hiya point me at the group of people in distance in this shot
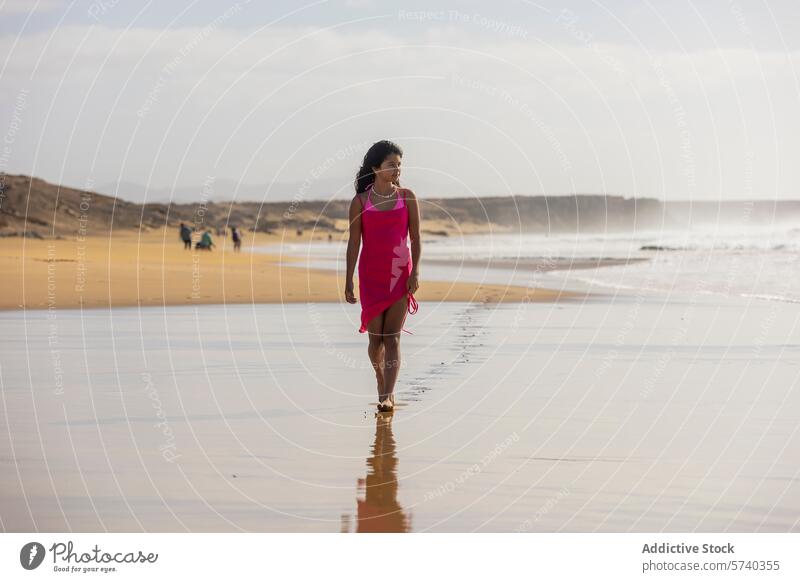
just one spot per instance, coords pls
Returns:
(206, 243)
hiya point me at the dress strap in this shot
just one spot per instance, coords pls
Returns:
(412, 304)
(412, 309)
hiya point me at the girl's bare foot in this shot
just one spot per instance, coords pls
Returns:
(386, 405)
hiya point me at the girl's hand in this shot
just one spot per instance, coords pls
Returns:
(349, 294)
(413, 283)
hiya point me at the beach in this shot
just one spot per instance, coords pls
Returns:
(516, 268)
(596, 388)
(574, 416)
(152, 268)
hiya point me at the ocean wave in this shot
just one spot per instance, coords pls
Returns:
(768, 297)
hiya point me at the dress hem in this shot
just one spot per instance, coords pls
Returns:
(411, 308)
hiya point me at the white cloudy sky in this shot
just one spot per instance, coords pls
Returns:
(664, 99)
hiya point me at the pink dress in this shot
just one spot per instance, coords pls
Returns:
(385, 261)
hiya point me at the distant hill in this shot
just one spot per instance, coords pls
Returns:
(35, 206)
(221, 191)
(39, 208)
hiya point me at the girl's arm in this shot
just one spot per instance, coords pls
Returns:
(413, 231)
(353, 245)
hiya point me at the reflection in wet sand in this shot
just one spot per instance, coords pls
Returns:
(378, 509)
(620, 430)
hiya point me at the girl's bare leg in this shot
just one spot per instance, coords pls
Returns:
(376, 351)
(394, 318)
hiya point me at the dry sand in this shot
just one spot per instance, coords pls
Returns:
(132, 268)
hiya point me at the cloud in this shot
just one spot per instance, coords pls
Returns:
(491, 113)
(29, 6)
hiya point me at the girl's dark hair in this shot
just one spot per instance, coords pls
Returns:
(374, 157)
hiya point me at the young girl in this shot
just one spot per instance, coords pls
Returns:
(384, 216)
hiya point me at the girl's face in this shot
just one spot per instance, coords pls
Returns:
(390, 169)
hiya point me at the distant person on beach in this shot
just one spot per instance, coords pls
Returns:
(237, 239)
(186, 236)
(383, 216)
(206, 243)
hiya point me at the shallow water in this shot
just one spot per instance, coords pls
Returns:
(755, 262)
(625, 415)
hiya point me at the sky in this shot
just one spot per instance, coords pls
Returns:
(280, 100)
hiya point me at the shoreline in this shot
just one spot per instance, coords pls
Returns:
(130, 269)
(538, 264)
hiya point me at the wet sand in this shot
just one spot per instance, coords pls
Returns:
(538, 264)
(636, 414)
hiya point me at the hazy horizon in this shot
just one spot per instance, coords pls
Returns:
(277, 195)
(672, 102)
